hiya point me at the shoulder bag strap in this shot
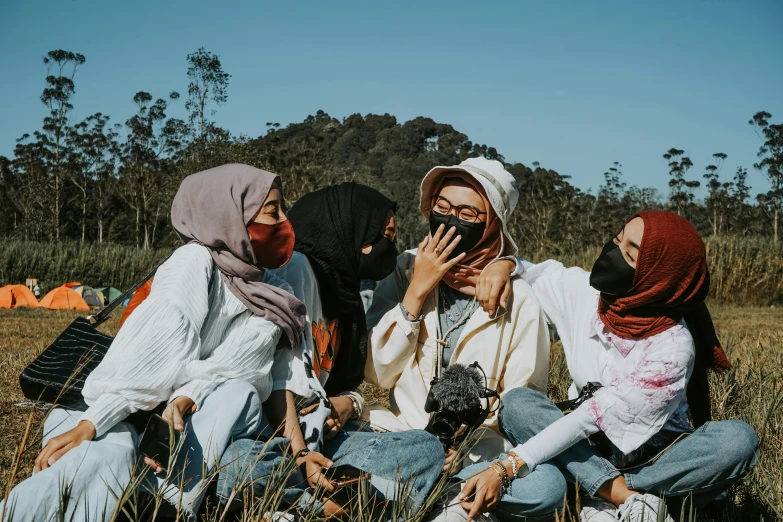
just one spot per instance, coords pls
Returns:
(104, 314)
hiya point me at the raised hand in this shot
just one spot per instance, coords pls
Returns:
(431, 264)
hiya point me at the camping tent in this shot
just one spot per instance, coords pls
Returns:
(63, 298)
(12, 296)
(109, 293)
(89, 295)
(138, 297)
(72, 285)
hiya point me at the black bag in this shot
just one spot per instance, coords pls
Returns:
(57, 375)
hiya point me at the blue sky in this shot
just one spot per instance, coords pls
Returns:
(574, 85)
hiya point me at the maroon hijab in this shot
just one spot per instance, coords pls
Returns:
(671, 283)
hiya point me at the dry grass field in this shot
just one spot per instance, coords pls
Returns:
(753, 392)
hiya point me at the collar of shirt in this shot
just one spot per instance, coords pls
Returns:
(599, 330)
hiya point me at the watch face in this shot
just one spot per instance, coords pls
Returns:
(524, 471)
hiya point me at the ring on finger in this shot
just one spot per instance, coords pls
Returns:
(437, 250)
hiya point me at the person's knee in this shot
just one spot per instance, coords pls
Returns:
(521, 403)
(425, 450)
(538, 495)
(742, 441)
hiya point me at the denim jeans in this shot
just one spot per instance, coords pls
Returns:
(532, 498)
(707, 461)
(413, 459)
(98, 471)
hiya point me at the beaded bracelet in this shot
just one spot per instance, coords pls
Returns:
(504, 478)
(497, 472)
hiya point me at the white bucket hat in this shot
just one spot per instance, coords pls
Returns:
(498, 183)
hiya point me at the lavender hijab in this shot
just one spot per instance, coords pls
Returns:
(213, 208)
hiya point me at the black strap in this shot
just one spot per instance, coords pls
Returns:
(586, 393)
(104, 314)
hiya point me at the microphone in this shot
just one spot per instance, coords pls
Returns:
(454, 400)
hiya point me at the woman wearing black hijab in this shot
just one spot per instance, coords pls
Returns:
(344, 234)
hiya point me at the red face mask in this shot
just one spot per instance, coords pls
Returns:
(273, 245)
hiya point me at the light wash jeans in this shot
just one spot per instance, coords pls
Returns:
(97, 472)
(412, 458)
(704, 463)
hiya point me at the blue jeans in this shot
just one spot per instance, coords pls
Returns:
(404, 465)
(98, 471)
(707, 461)
(535, 497)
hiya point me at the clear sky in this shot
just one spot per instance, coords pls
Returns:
(574, 85)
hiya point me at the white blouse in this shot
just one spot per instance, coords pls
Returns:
(644, 380)
(190, 335)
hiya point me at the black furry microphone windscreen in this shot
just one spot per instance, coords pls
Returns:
(459, 388)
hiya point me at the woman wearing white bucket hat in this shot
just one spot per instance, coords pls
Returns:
(425, 318)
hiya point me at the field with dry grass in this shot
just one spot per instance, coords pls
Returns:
(753, 392)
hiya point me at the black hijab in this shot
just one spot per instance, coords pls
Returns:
(332, 225)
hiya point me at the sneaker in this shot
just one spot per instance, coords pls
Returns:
(643, 508)
(597, 510)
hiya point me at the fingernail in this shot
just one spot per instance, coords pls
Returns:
(51, 461)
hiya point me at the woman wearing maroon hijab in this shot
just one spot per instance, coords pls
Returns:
(638, 340)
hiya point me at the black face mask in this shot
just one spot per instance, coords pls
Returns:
(380, 262)
(471, 232)
(611, 273)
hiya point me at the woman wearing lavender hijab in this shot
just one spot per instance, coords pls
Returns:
(203, 341)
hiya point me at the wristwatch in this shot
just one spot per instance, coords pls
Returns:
(357, 412)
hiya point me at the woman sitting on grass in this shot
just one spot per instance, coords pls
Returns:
(203, 341)
(433, 312)
(637, 325)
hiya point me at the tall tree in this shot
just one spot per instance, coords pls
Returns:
(771, 163)
(92, 146)
(681, 189)
(718, 192)
(208, 83)
(61, 69)
(151, 140)
(739, 192)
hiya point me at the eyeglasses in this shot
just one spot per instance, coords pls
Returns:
(466, 213)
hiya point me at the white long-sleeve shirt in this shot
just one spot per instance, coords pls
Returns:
(644, 380)
(190, 335)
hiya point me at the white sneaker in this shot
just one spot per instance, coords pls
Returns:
(643, 508)
(597, 510)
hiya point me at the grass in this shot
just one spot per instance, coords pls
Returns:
(752, 391)
(746, 271)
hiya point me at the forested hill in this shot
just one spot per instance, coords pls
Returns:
(113, 179)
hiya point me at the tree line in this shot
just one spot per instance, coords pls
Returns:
(102, 180)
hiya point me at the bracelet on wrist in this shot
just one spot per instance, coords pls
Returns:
(494, 468)
(408, 315)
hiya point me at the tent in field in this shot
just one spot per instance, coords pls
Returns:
(110, 293)
(138, 297)
(73, 284)
(89, 295)
(63, 298)
(12, 296)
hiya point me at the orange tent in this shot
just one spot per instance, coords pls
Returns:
(63, 298)
(12, 296)
(138, 297)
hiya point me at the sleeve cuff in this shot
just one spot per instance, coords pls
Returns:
(407, 326)
(105, 413)
(196, 390)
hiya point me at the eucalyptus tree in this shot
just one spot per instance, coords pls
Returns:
(718, 197)
(770, 164)
(151, 143)
(681, 188)
(61, 69)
